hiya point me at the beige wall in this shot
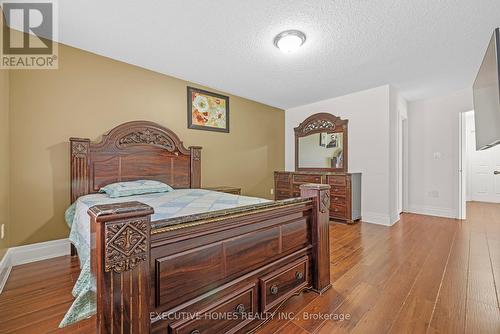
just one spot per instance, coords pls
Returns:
(4, 157)
(88, 96)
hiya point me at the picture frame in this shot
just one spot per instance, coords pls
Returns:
(323, 138)
(333, 141)
(207, 110)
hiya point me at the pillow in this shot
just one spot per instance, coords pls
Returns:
(122, 189)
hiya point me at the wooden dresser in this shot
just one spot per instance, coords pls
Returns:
(321, 156)
(345, 191)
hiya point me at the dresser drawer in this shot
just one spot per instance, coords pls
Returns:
(338, 210)
(283, 193)
(280, 197)
(285, 177)
(304, 178)
(284, 282)
(282, 184)
(337, 191)
(296, 190)
(238, 305)
(339, 200)
(337, 180)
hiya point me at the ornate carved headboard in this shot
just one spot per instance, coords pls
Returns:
(132, 151)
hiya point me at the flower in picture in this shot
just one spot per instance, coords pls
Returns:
(201, 103)
(200, 118)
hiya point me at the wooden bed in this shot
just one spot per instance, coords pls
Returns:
(177, 275)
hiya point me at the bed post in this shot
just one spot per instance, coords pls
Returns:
(79, 150)
(195, 166)
(120, 254)
(79, 153)
(320, 193)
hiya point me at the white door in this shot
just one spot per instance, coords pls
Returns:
(485, 173)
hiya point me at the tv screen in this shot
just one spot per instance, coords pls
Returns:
(487, 96)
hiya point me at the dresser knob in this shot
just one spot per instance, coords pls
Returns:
(274, 289)
(195, 331)
(299, 275)
(240, 309)
(336, 209)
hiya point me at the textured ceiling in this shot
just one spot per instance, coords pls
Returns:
(423, 47)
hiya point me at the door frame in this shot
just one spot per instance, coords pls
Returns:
(462, 165)
(402, 163)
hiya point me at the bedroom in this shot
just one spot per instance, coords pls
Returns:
(398, 73)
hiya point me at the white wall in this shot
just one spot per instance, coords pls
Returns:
(433, 149)
(370, 153)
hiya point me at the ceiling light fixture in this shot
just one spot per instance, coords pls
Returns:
(289, 41)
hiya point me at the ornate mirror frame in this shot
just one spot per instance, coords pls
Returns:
(317, 123)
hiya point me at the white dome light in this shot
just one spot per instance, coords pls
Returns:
(289, 41)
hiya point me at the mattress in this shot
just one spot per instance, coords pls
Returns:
(177, 203)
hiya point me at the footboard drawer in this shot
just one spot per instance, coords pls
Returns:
(224, 316)
(284, 282)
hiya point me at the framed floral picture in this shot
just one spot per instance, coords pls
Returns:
(207, 110)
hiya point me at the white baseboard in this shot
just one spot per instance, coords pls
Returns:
(31, 253)
(5, 267)
(432, 211)
(395, 217)
(377, 218)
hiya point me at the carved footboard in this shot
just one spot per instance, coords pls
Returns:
(183, 274)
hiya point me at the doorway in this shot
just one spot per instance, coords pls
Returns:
(480, 170)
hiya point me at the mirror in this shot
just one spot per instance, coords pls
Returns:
(321, 144)
(321, 150)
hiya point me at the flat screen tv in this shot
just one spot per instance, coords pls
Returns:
(487, 96)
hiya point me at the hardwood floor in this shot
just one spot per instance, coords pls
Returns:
(423, 275)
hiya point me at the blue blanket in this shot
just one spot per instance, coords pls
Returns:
(172, 204)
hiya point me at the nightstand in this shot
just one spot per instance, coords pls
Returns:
(224, 189)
